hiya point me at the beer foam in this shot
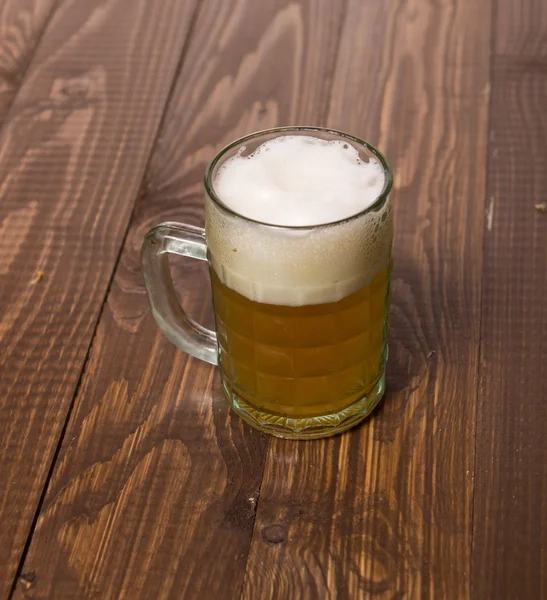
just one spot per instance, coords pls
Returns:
(299, 180)
(326, 257)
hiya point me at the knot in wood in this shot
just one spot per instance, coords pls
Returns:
(274, 534)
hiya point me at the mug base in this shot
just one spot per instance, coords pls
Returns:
(306, 428)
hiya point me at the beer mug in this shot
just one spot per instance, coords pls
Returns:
(301, 311)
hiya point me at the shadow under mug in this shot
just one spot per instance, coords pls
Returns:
(300, 312)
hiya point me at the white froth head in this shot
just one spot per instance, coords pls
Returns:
(298, 216)
(299, 180)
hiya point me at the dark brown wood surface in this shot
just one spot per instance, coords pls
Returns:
(73, 147)
(510, 532)
(22, 23)
(122, 472)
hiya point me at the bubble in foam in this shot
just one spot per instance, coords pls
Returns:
(299, 181)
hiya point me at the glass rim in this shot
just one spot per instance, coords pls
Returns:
(378, 202)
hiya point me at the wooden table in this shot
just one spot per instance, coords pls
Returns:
(122, 472)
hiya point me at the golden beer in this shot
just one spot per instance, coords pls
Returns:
(302, 361)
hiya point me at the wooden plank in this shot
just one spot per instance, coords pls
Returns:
(510, 525)
(22, 23)
(385, 511)
(154, 493)
(72, 152)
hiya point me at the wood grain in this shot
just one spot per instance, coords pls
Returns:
(155, 490)
(22, 23)
(510, 530)
(386, 510)
(72, 152)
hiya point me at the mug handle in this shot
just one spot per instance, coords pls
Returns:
(183, 331)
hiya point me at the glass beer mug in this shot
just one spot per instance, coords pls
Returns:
(301, 310)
